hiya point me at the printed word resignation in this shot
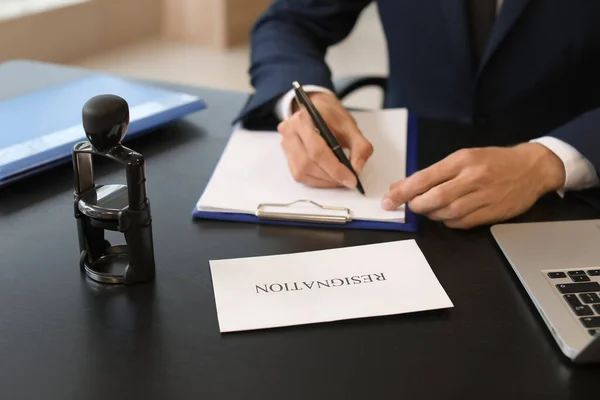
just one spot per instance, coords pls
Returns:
(310, 285)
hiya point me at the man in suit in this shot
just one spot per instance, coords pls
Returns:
(529, 67)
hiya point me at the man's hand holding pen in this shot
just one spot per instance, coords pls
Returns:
(310, 160)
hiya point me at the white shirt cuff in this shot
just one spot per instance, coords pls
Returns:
(579, 172)
(283, 107)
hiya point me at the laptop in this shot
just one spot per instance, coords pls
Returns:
(558, 263)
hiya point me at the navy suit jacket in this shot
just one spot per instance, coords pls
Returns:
(540, 74)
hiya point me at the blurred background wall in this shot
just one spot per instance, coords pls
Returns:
(200, 42)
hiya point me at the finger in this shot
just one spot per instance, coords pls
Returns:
(321, 154)
(298, 159)
(315, 182)
(493, 211)
(310, 176)
(483, 215)
(303, 169)
(307, 168)
(441, 196)
(281, 127)
(360, 148)
(462, 206)
(286, 128)
(418, 183)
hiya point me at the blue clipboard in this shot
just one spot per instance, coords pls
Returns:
(40, 128)
(410, 224)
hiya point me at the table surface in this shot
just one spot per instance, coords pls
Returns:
(64, 337)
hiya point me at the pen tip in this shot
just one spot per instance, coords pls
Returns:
(360, 189)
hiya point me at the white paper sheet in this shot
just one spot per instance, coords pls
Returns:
(253, 170)
(322, 286)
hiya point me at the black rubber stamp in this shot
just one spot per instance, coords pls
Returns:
(116, 207)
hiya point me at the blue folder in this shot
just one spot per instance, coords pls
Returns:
(409, 225)
(39, 129)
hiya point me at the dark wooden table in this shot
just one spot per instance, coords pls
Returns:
(64, 337)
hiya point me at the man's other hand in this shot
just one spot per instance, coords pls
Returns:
(310, 160)
(480, 186)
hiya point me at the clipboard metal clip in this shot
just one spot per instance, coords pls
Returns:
(324, 214)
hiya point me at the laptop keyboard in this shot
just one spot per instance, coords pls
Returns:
(581, 291)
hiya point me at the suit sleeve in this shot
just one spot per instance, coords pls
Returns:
(289, 43)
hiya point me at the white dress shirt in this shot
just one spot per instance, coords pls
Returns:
(579, 172)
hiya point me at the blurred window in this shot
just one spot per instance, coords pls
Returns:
(17, 8)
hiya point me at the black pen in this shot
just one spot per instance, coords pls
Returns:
(324, 131)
